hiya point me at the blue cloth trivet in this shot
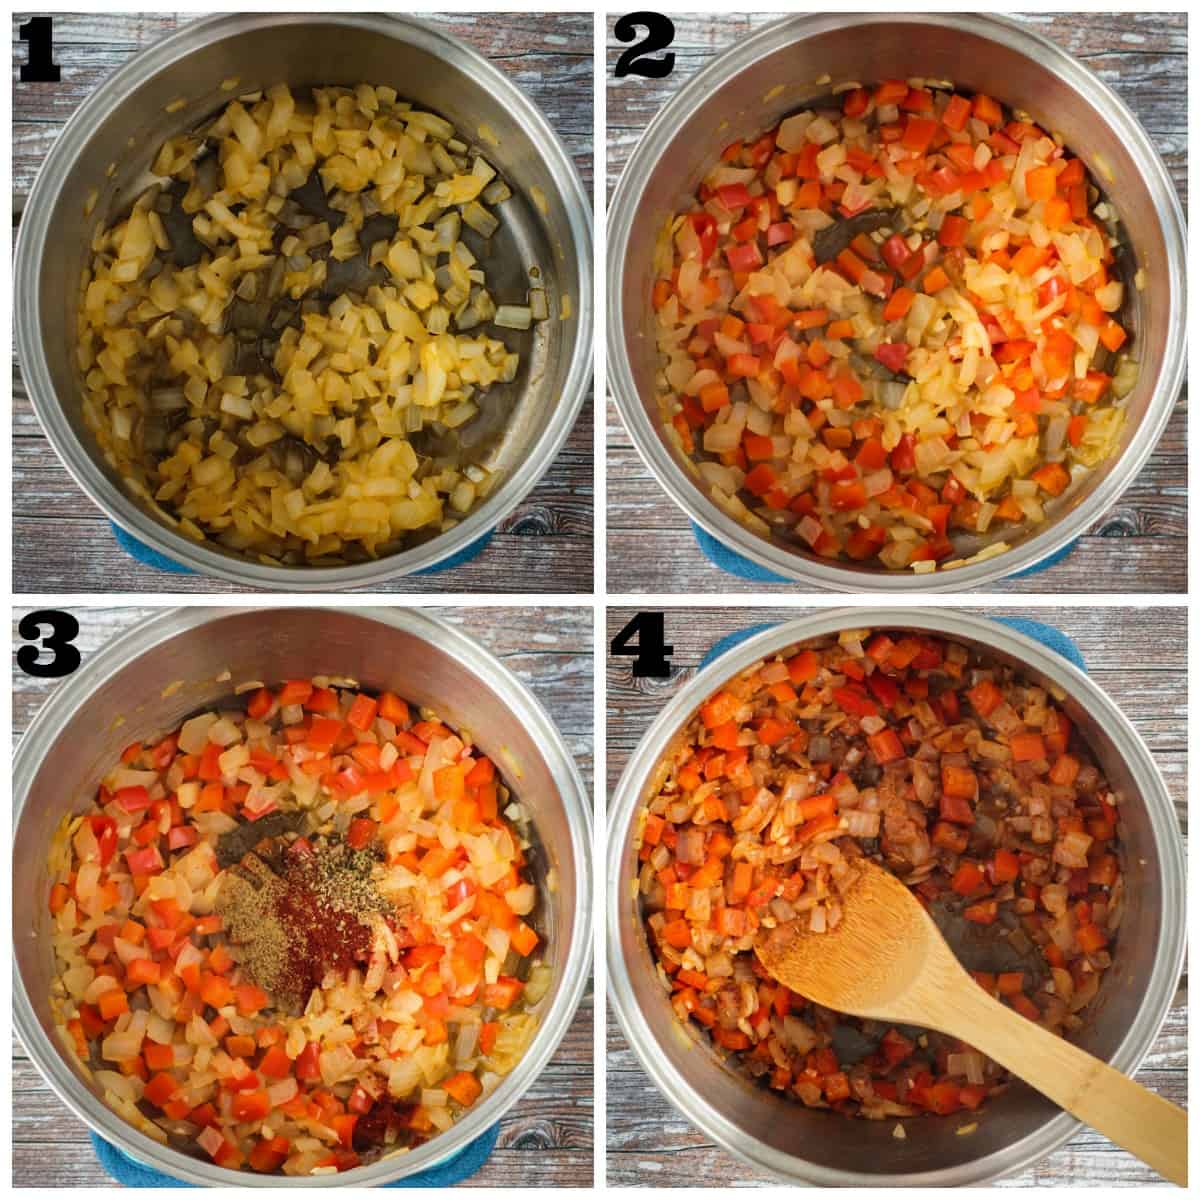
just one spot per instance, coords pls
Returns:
(1051, 560)
(152, 558)
(144, 554)
(730, 561)
(730, 640)
(1051, 638)
(130, 1173)
(736, 564)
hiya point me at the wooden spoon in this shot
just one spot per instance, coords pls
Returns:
(886, 960)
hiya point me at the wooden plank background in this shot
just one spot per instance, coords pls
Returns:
(1138, 656)
(547, 1139)
(63, 543)
(1140, 545)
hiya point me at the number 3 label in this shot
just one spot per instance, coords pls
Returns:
(65, 657)
(660, 33)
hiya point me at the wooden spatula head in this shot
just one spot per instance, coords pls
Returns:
(886, 959)
(874, 963)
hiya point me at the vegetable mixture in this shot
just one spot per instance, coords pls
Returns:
(297, 937)
(947, 768)
(284, 342)
(895, 327)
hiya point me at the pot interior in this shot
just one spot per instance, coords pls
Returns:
(791, 72)
(186, 669)
(791, 1138)
(537, 243)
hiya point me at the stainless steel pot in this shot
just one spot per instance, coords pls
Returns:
(809, 1146)
(125, 121)
(778, 70)
(119, 695)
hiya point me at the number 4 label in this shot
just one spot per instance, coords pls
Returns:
(651, 655)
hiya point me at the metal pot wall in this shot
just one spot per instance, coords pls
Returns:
(803, 1145)
(125, 121)
(77, 736)
(779, 70)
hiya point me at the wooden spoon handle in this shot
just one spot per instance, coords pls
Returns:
(1132, 1116)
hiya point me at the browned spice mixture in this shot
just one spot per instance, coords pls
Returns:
(386, 1123)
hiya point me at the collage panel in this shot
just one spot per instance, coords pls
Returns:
(896, 304)
(890, 888)
(1022, 770)
(335, 328)
(303, 891)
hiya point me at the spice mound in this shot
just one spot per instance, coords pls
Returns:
(289, 345)
(299, 910)
(299, 934)
(941, 764)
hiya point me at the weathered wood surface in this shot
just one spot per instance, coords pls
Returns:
(1138, 545)
(62, 543)
(548, 55)
(1138, 656)
(546, 1140)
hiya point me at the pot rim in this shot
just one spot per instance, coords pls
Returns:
(628, 795)
(79, 460)
(1057, 534)
(70, 697)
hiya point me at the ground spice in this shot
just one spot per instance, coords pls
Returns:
(297, 910)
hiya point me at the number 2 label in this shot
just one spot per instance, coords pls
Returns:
(660, 33)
